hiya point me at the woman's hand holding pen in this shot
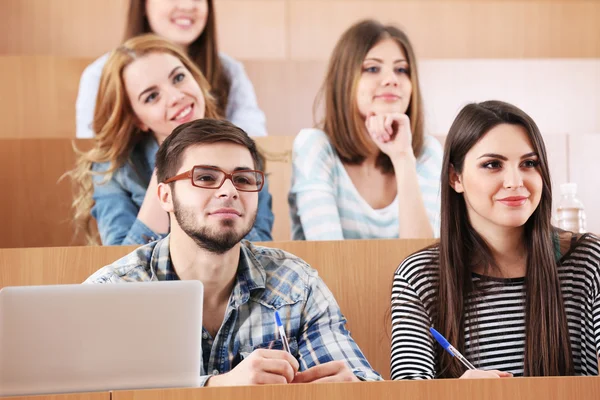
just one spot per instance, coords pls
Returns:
(263, 366)
(481, 374)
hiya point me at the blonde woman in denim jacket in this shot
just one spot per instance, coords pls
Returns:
(148, 87)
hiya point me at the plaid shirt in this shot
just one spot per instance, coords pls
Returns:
(267, 280)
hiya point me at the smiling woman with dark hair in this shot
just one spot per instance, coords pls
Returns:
(513, 294)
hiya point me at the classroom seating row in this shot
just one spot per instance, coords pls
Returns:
(35, 204)
(39, 92)
(562, 388)
(358, 272)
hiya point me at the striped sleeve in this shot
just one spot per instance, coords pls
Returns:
(596, 318)
(595, 255)
(313, 162)
(413, 355)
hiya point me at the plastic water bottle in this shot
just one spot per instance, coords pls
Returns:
(570, 213)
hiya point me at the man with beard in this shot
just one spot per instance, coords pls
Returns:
(210, 179)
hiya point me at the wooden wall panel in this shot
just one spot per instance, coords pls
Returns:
(252, 28)
(90, 28)
(37, 96)
(308, 29)
(286, 91)
(72, 28)
(37, 212)
(456, 29)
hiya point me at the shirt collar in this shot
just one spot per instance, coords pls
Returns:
(251, 274)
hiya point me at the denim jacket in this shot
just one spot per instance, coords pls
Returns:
(118, 201)
(267, 280)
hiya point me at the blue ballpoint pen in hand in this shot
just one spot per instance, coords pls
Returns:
(282, 334)
(450, 349)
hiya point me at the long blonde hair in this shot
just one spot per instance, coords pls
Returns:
(115, 123)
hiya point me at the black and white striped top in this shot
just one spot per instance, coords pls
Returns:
(500, 312)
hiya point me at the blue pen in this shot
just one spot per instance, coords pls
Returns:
(282, 334)
(450, 349)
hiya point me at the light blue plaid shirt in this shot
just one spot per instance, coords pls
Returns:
(267, 280)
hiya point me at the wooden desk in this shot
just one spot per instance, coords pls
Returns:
(71, 396)
(572, 388)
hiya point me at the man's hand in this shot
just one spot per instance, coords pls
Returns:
(333, 371)
(260, 368)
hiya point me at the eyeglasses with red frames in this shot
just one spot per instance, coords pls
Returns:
(207, 177)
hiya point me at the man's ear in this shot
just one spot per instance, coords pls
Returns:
(165, 197)
(455, 181)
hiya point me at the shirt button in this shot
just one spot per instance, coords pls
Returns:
(215, 372)
(204, 335)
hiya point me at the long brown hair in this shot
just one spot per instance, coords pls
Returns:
(342, 122)
(204, 51)
(115, 122)
(547, 344)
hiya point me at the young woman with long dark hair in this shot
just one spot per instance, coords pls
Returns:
(515, 295)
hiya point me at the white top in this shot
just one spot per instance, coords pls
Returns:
(325, 204)
(242, 107)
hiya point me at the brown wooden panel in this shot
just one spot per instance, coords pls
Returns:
(456, 29)
(72, 396)
(252, 28)
(587, 388)
(286, 91)
(77, 28)
(37, 95)
(55, 265)
(37, 206)
(89, 28)
(358, 272)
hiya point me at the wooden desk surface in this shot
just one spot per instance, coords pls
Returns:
(572, 388)
(70, 396)
(576, 388)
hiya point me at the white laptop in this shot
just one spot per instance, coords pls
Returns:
(77, 338)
